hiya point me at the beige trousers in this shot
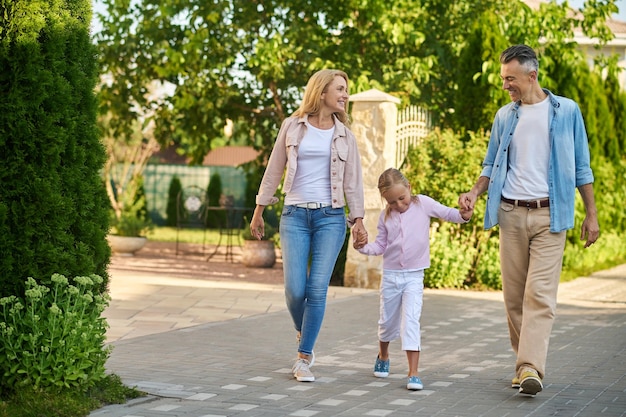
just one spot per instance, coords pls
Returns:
(531, 259)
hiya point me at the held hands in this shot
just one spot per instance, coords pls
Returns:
(466, 203)
(359, 235)
(466, 214)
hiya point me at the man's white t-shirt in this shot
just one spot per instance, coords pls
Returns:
(529, 154)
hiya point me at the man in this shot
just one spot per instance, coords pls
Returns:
(537, 156)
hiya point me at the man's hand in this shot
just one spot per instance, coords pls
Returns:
(590, 230)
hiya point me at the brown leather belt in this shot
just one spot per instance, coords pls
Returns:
(528, 203)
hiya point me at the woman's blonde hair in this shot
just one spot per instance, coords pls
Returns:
(318, 84)
(389, 178)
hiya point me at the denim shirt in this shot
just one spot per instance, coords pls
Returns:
(568, 168)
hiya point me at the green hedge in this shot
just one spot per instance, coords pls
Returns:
(53, 206)
(465, 255)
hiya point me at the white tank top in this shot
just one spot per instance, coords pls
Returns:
(311, 183)
(529, 154)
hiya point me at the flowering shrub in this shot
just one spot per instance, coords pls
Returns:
(55, 336)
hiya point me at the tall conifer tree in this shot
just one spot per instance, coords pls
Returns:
(53, 207)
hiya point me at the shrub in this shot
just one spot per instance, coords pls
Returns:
(451, 259)
(53, 206)
(53, 337)
(465, 255)
(172, 202)
(215, 219)
(442, 167)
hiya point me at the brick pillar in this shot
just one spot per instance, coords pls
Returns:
(374, 116)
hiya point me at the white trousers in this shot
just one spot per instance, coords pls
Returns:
(401, 299)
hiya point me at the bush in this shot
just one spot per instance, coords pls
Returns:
(442, 167)
(53, 206)
(53, 337)
(448, 271)
(465, 255)
(172, 202)
(215, 219)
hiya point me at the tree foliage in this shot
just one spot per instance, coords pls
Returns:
(247, 60)
(53, 216)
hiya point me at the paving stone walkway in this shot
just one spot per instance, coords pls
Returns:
(203, 345)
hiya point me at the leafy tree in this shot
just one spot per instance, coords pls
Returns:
(247, 61)
(127, 157)
(478, 98)
(53, 208)
(614, 149)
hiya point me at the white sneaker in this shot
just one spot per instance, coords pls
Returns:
(302, 372)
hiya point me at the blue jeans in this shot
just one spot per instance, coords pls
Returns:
(310, 241)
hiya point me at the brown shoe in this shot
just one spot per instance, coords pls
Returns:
(530, 383)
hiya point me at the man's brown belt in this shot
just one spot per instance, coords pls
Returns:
(528, 203)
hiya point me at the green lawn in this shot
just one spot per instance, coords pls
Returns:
(168, 234)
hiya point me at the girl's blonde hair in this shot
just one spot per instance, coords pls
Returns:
(389, 178)
(318, 84)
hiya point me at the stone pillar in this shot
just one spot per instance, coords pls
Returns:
(374, 117)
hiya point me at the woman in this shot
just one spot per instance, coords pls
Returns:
(323, 174)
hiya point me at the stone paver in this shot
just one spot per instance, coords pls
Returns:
(226, 349)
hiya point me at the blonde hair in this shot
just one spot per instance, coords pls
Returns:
(389, 178)
(318, 84)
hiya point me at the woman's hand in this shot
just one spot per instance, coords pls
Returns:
(257, 225)
(359, 234)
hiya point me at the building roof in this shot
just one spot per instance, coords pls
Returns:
(227, 156)
(230, 156)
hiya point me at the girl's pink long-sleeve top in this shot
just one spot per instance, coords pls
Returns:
(403, 238)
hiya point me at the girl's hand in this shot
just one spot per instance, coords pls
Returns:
(466, 213)
(359, 241)
(359, 236)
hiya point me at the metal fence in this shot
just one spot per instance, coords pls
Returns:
(158, 177)
(414, 123)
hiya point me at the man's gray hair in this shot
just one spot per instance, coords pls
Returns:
(524, 54)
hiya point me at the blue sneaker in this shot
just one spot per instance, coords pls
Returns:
(381, 368)
(415, 383)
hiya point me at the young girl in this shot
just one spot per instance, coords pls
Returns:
(403, 240)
